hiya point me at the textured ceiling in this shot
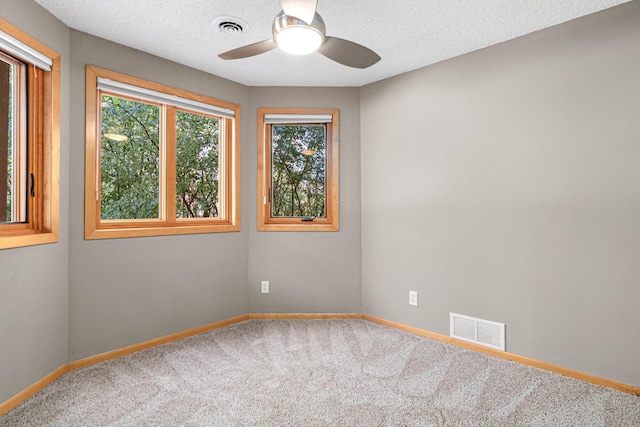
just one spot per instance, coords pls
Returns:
(407, 34)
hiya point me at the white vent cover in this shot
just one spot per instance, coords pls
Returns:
(478, 331)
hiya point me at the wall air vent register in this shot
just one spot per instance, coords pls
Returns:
(478, 331)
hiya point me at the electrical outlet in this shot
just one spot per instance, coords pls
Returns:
(265, 287)
(413, 298)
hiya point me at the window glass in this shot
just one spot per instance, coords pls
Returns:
(197, 165)
(130, 159)
(298, 179)
(13, 170)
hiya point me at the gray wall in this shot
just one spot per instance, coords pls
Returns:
(505, 184)
(34, 280)
(308, 272)
(124, 291)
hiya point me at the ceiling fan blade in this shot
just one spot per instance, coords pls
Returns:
(304, 10)
(348, 53)
(250, 50)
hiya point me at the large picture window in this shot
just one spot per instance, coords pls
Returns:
(298, 169)
(159, 160)
(29, 140)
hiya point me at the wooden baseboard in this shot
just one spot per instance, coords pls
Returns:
(92, 360)
(32, 389)
(305, 316)
(508, 356)
(39, 385)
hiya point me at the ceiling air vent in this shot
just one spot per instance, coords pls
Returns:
(478, 331)
(230, 25)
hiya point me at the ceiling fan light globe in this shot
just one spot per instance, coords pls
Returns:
(299, 40)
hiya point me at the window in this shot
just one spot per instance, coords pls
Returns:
(159, 160)
(29, 140)
(298, 169)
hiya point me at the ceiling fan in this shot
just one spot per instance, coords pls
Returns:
(298, 29)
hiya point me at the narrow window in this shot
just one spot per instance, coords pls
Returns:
(29, 140)
(161, 160)
(298, 170)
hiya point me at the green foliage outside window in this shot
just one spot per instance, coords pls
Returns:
(130, 169)
(7, 97)
(197, 173)
(130, 162)
(298, 158)
(7, 142)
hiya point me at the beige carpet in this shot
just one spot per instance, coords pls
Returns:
(317, 373)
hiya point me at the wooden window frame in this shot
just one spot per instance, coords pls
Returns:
(331, 221)
(166, 224)
(42, 149)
